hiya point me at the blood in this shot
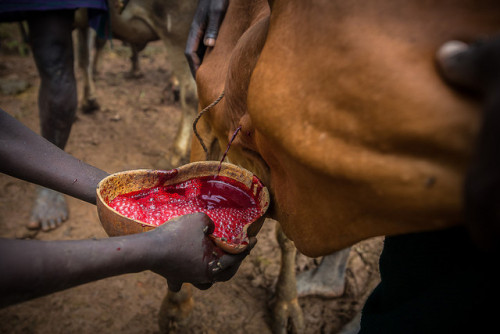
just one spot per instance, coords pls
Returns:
(221, 198)
(227, 148)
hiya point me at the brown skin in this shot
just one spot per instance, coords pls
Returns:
(204, 30)
(52, 47)
(347, 120)
(28, 156)
(180, 250)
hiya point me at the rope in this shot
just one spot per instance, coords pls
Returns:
(210, 106)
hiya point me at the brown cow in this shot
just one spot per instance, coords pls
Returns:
(346, 119)
(139, 23)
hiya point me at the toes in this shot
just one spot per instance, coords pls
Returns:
(45, 225)
(33, 225)
(49, 212)
(51, 224)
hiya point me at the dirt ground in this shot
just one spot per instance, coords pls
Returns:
(134, 129)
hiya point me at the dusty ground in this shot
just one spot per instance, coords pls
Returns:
(134, 129)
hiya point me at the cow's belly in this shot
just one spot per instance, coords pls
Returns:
(361, 136)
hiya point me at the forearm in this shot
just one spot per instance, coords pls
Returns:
(32, 268)
(28, 156)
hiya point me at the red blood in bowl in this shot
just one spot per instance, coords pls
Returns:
(221, 198)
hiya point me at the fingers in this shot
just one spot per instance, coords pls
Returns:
(194, 50)
(209, 225)
(251, 244)
(475, 66)
(227, 265)
(206, 22)
(216, 14)
(192, 47)
(203, 219)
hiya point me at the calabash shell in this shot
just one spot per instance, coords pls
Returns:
(116, 224)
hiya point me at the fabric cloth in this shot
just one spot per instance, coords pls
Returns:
(20, 10)
(433, 282)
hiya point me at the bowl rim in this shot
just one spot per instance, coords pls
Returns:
(225, 166)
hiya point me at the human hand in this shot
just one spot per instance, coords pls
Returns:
(205, 25)
(476, 67)
(183, 253)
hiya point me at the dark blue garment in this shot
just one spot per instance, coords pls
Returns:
(20, 10)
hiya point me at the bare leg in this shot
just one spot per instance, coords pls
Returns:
(328, 279)
(52, 46)
(99, 46)
(135, 69)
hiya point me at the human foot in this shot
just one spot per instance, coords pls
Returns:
(49, 211)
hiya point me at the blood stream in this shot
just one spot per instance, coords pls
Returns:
(221, 198)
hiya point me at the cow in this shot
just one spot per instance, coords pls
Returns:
(137, 24)
(345, 117)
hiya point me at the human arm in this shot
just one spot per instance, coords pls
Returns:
(204, 30)
(180, 250)
(475, 69)
(28, 156)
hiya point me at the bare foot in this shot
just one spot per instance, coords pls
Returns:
(49, 211)
(328, 279)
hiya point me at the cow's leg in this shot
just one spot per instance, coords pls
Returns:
(96, 61)
(328, 280)
(182, 142)
(52, 46)
(177, 306)
(189, 105)
(353, 326)
(174, 40)
(135, 67)
(175, 309)
(286, 310)
(86, 42)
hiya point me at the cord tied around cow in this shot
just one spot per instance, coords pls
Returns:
(195, 122)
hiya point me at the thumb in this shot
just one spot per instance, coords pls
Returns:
(458, 63)
(208, 225)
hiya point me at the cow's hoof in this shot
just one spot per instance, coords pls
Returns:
(353, 326)
(328, 279)
(172, 92)
(90, 105)
(175, 310)
(288, 317)
(309, 285)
